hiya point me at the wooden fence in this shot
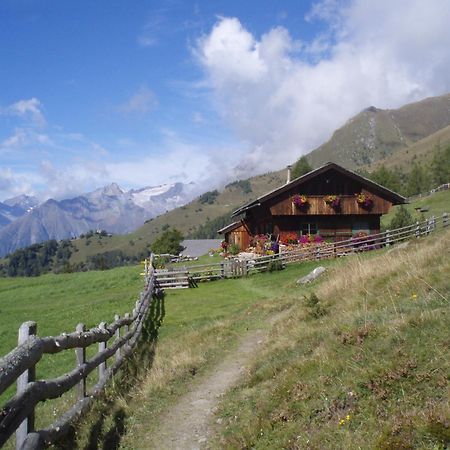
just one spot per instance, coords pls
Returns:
(17, 414)
(188, 275)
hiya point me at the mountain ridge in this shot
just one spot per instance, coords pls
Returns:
(108, 208)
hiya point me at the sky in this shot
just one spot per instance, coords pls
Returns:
(143, 93)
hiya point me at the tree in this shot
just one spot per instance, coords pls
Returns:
(168, 242)
(387, 178)
(402, 218)
(440, 166)
(418, 180)
(301, 167)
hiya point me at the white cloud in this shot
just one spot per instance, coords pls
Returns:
(178, 161)
(13, 183)
(284, 102)
(27, 109)
(141, 102)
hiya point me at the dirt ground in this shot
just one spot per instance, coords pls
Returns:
(187, 425)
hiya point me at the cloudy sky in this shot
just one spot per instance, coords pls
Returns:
(149, 92)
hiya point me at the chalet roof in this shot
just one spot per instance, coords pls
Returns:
(230, 227)
(371, 185)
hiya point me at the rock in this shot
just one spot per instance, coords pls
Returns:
(246, 255)
(401, 246)
(312, 275)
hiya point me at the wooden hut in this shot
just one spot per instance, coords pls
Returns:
(331, 201)
(236, 233)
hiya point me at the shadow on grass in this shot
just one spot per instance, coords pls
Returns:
(105, 424)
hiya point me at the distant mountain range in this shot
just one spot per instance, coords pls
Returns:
(24, 221)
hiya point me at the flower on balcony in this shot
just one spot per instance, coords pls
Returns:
(333, 200)
(364, 201)
(301, 201)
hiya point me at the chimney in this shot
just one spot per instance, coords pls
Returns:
(288, 180)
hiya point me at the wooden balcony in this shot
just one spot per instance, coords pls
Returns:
(316, 205)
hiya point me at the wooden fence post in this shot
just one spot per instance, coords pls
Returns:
(26, 330)
(117, 336)
(417, 230)
(244, 268)
(444, 219)
(222, 270)
(101, 348)
(388, 238)
(80, 354)
(127, 327)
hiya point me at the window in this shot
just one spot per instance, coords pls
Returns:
(308, 228)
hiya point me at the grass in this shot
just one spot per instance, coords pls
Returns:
(436, 204)
(363, 366)
(199, 326)
(370, 373)
(58, 303)
(378, 355)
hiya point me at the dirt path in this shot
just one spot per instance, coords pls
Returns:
(186, 425)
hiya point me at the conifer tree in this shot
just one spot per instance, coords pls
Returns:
(301, 167)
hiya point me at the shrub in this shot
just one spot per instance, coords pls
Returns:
(274, 265)
(208, 197)
(402, 218)
(168, 242)
(314, 307)
(233, 249)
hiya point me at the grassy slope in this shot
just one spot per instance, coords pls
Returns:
(376, 134)
(378, 356)
(371, 373)
(58, 303)
(421, 152)
(436, 204)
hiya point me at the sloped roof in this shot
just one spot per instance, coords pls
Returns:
(230, 227)
(371, 185)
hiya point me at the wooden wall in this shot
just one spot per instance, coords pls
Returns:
(316, 205)
(239, 236)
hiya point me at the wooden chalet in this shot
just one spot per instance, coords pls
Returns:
(331, 201)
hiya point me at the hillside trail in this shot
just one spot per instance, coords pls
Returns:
(188, 424)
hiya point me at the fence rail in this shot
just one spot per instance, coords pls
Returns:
(17, 414)
(232, 268)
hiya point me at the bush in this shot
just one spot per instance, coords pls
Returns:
(168, 242)
(233, 249)
(314, 306)
(274, 265)
(208, 197)
(402, 218)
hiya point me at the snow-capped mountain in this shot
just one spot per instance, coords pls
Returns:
(109, 208)
(14, 208)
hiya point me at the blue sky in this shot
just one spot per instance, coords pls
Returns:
(143, 93)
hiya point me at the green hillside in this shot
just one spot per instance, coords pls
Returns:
(421, 152)
(376, 134)
(58, 303)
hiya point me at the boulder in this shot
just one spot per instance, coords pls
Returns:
(312, 275)
(401, 246)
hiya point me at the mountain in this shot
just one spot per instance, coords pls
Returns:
(109, 208)
(375, 134)
(14, 208)
(25, 202)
